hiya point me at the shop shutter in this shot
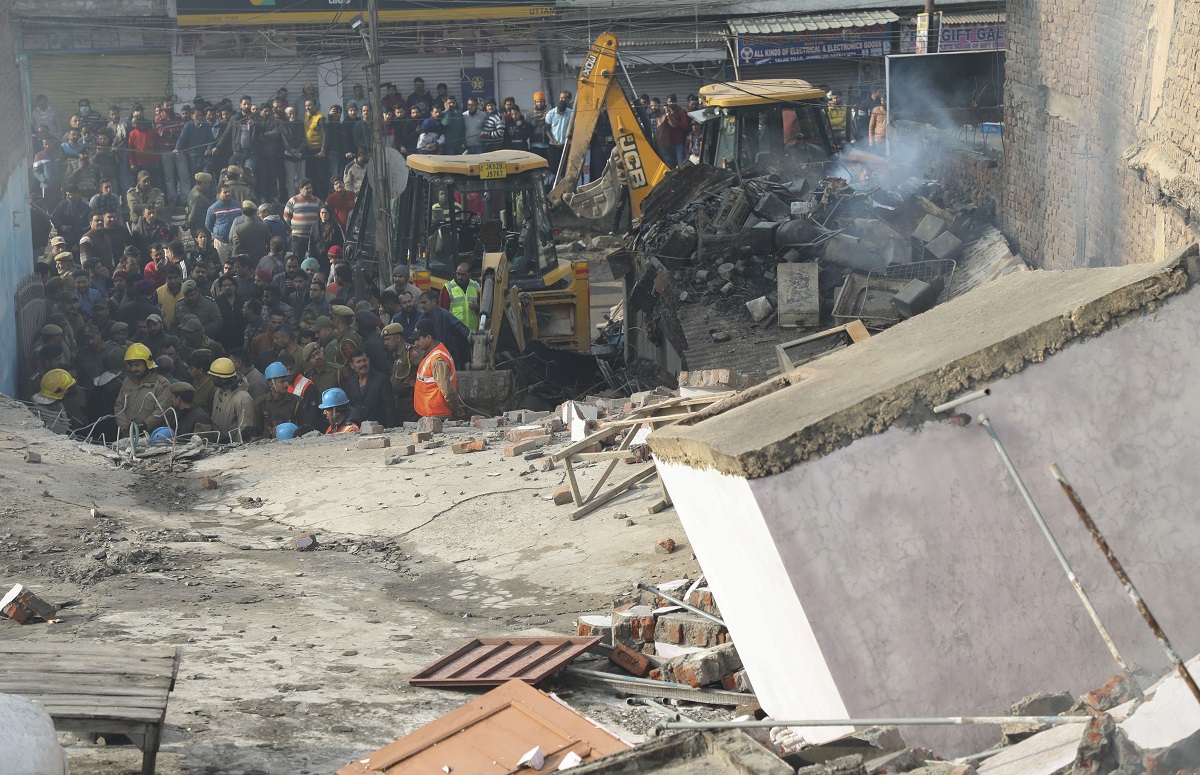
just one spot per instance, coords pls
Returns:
(680, 80)
(401, 70)
(220, 76)
(104, 78)
(833, 73)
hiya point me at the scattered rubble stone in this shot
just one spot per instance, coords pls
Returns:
(1117, 690)
(844, 765)
(721, 336)
(1040, 704)
(23, 606)
(703, 667)
(370, 427)
(32, 457)
(209, 483)
(1105, 749)
(374, 442)
(760, 309)
(562, 495)
(521, 447)
(302, 543)
(430, 425)
(688, 629)
(665, 546)
(547, 464)
(594, 625)
(421, 436)
(632, 624)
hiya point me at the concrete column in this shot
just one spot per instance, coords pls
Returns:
(329, 83)
(183, 74)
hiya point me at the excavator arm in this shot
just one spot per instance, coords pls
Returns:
(598, 86)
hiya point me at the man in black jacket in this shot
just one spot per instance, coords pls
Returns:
(370, 393)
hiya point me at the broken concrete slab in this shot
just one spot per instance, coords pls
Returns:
(760, 309)
(929, 229)
(688, 629)
(845, 765)
(1040, 704)
(870, 743)
(23, 606)
(799, 295)
(730, 752)
(702, 667)
(946, 247)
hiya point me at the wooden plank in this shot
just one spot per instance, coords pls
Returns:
(654, 420)
(102, 726)
(576, 498)
(494, 661)
(608, 454)
(54, 686)
(86, 680)
(584, 443)
(624, 445)
(617, 489)
(90, 665)
(83, 712)
(110, 703)
(123, 652)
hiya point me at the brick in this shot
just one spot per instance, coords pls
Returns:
(302, 543)
(738, 681)
(594, 625)
(374, 442)
(487, 423)
(22, 606)
(665, 546)
(633, 625)
(370, 427)
(562, 495)
(407, 449)
(553, 424)
(703, 667)
(421, 436)
(547, 464)
(702, 598)
(430, 424)
(466, 447)
(521, 447)
(209, 483)
(689, 629)
(629, 660)
(523, 432)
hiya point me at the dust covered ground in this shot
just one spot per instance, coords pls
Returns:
(298, 661)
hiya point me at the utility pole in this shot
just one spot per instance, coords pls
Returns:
(381, 190)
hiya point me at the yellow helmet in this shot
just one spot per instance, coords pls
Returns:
(222, 368)
(55, 384)
(139, 352)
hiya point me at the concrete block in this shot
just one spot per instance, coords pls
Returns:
(562, 495)
(524, 432)
(430, 424)
(727, 289)
(630, 661)
(302, 543)
(367, 427)
(374, 442)
(421, 436)
(760, 309)
(726, 270)
(521, 447)
(704, 667)
(594, 625)
(798, 294)
(929, 228)
(946, 246)
(689, 629)
(845, 765)
(466, 447)
(633, 624)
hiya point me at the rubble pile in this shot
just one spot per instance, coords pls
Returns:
(763, 254)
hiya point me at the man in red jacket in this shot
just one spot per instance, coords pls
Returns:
(144, 148)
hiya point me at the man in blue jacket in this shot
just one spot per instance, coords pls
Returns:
(219, 220)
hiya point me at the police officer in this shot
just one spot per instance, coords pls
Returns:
(280, 405)
(188, 418)
(235, 417)
(145, 394)
(402, 372)
(345, 341)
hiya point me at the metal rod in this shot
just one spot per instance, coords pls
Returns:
(965, 398)
(584, 673)
(1134, 596)
(677, 601)
(672, 714)
(1062, 558)
(943, 721)
(671, 691)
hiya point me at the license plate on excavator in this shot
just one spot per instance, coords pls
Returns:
(490, 170)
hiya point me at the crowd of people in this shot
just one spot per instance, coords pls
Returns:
(247, 318)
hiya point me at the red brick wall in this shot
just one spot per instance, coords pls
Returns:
(1078, 100)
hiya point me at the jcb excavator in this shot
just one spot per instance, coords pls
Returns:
(489, 211)
(755, 127)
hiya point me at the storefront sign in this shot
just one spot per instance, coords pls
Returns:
(478, 82)
(268, 12)
(959, 37)
(858, 42)
(43, 39)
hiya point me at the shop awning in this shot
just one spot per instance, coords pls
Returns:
(807, 23)
(981, 17)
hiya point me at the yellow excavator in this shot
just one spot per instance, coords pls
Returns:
(754, 127)
(489, 211)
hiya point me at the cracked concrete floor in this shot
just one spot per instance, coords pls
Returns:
(297, 662)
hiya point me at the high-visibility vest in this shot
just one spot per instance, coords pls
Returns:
(460, 303)
(346, 427)
(299, 385)
(428, 400)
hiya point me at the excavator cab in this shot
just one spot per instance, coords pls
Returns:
(764, 126)
(489, 211)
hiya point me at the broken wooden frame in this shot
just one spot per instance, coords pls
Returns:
(834, 338)
(651, 417)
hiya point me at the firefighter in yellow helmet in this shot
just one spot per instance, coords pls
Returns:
(56, 403)
(145, 394)
(234, 415)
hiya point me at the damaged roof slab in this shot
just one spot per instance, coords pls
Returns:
(992, 332)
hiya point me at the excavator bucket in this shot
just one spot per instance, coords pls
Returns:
(596, 199)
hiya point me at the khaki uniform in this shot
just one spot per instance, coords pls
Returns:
(337, 352)
(233, 411)
(143, 402)
(324, 378)
(206, 311)
(186, 349)
(205, 392)
(273, 411)
(136, 201)
(403, 373)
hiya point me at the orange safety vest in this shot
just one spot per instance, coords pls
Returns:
(347, 427)
(428, 400)
(299, 385)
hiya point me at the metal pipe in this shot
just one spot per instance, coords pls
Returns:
(1134, 596)
(672, 714)
(965, 398)
(677, 601)
(613, 677)
(1058, 553)
(943, 721)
